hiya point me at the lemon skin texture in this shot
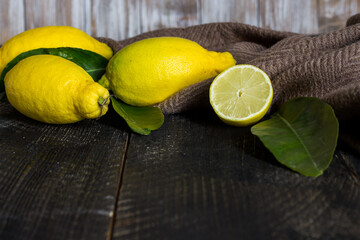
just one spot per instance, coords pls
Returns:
(52, 89)
(151, 70)
(50, 37)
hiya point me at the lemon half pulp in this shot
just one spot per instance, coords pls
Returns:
(241, 95)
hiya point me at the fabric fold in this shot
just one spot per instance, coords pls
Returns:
(325, 65)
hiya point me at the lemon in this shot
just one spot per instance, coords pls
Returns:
(52, 89)
(50, 37)
(151, 70)
(241, 95)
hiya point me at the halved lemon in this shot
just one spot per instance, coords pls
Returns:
(241, 95)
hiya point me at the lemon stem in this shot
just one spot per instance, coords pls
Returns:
(102, 101)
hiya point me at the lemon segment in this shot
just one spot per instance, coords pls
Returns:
(241, 95)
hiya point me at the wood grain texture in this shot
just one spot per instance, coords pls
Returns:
(126, 18)
(57, 181)
(81, 15)
(115, 19)
(293, 16)
(11, 19)
(244, 11)
(58, 12)
(194, 178)
(197, 178)
(46, 13)
(167, 13)
(332, 14)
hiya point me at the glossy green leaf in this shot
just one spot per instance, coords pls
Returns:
(302, 135)
(93, 63)
(141, 120)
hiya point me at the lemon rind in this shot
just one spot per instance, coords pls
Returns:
(254, 116)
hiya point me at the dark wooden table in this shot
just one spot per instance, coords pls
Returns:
(195, 178)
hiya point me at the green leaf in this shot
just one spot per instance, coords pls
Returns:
(94, 64)
(302, 135)
(140, 119)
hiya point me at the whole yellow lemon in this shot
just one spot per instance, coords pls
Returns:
(50, 37)
(52, 89)
(151, 70)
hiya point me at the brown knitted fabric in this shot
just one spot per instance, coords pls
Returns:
(244, 42)
(326, 66)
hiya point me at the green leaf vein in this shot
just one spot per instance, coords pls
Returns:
(299, 139)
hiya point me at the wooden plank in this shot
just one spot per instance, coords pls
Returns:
(243, 11)
(284, 15)
(45, 13)
(58, 181)
(12, 20)
(58, 12)
(81, 15)
(115, 19)
(165, 14)
(197, 178)
(332, 14)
